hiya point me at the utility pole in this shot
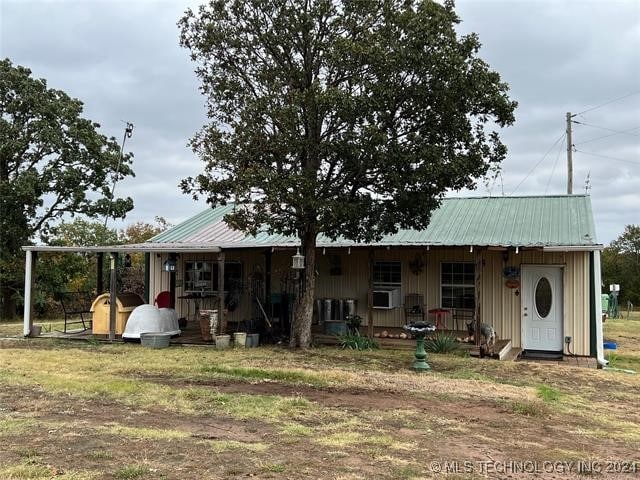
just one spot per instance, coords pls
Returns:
(569, 156)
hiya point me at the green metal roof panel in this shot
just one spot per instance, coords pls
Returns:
(533, 221)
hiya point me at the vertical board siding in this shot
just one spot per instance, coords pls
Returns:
(501, 307)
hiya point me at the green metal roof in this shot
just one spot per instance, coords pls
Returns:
(527, 221)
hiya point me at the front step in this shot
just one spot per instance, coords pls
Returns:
(502, 350)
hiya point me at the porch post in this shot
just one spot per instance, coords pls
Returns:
(172, 284)
(112, 298)
(99, 273)
(477, 260)
(28, 284)
(221, 314)
(147, 275)
(370, 295)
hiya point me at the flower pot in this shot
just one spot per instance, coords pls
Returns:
(208, 324)
(253, 340)
(155, 339)
(240, 339)
(222, 341)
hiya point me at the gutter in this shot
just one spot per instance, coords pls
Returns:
(597, 287)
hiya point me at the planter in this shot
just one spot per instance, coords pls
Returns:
(253, 340)
(335, 327)
(208, 324)
(222, 341)
(155, 339)
(240, 339)
(36, 330)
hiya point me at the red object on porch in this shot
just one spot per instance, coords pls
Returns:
(439, 313)
(163, 299)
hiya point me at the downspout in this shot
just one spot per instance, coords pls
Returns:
(597, 288)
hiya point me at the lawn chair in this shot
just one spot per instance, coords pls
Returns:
(77, 309)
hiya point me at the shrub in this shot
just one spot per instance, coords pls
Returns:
(441, 343)
(355, 341)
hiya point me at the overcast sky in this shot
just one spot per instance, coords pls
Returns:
(122, 59)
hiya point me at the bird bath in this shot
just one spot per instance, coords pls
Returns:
(419, 330)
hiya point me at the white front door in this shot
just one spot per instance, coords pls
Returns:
(542, 308)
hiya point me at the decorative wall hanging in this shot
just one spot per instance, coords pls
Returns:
(416, 265)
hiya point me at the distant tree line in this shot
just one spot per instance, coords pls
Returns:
(57, 273)
(621, 265)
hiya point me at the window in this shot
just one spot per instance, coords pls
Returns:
(387, 275)
(457, 281)
(202, 276)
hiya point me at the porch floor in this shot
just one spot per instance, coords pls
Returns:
(191, 336)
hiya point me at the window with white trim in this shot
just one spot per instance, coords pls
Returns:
(458, 286)
(387, 275)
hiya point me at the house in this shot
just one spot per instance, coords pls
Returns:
(529, 266)
(526, 264)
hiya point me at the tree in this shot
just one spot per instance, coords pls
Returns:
(621, 264)
(349, 119)
(53, 163)
(133, 274)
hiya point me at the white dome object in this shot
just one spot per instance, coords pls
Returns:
(148, 318)
(170, 320)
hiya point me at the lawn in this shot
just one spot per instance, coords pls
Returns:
(81, 410)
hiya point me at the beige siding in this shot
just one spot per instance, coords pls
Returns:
(500, 306)
(250, 260)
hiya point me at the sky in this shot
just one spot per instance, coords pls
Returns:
(122, 59)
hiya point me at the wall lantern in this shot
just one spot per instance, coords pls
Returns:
(298, 261)
(169, 265)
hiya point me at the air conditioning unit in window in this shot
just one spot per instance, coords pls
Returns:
(386, 299)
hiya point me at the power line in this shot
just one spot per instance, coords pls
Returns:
(608, 102)
(539, 162)
(607, 136)
(606, 156)
(554, 166)
(617, 132)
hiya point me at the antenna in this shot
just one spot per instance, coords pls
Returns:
(587, 183)
(128, 132)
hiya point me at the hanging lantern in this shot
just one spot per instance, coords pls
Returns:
(170, 265)
(298, 261)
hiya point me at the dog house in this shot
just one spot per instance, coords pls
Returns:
(101, 308)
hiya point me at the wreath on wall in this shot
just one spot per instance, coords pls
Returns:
(416, 265)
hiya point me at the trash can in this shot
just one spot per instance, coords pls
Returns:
(101, 309)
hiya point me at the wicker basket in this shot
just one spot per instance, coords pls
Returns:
(155, 339)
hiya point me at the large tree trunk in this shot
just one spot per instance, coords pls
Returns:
(303, 315)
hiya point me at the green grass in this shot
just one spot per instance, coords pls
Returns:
(274, 468)
(528, 409)
(289, 376)
(548, 394)
(132, 471)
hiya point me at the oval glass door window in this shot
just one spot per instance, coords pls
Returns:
(543, 297)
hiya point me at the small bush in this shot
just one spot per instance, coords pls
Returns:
(548, 394)
(441, 343)
(355, 341)
(132, 471)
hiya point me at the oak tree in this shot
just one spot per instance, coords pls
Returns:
(339, 118)
(53, 163)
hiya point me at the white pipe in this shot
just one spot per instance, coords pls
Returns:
(28, 266)
(597, 287)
